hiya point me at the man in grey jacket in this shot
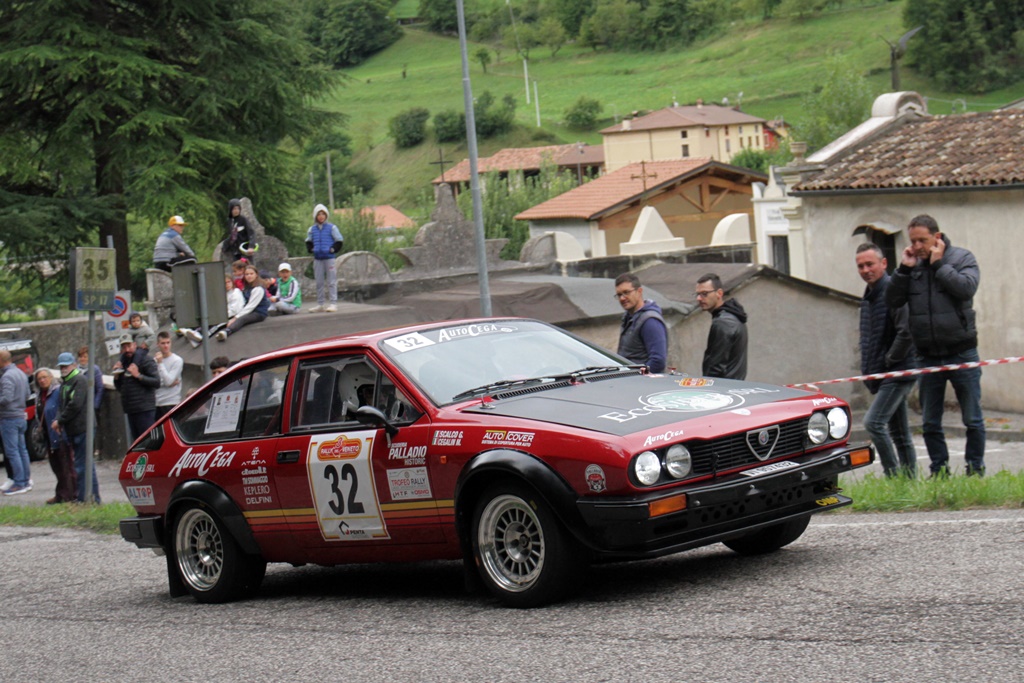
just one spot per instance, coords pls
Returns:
(13, 399)
(171, 248)
(938, 282)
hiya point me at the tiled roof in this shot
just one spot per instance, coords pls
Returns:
(510, 159)
(591, 199)
(592, 155)
(982, 148)
(384, 216)
(684, 117)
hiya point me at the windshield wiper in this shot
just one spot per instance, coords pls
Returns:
(552, 379)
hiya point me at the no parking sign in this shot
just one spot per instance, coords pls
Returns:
(115, 320)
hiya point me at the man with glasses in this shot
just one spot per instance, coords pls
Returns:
(726, 355)
(643, 338)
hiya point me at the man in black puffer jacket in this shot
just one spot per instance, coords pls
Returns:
(938, 282)
(726, 353)
(886, 345)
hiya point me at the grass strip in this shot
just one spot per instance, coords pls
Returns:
(100, 518)
(871, 493)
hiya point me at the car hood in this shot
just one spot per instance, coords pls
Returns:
(626, 405)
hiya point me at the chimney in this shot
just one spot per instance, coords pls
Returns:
(627, 124)
(700, 102)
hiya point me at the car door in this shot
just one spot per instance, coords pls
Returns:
(348, 487)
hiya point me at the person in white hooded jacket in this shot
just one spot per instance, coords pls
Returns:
(324, 242)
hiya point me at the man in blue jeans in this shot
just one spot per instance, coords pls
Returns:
(938, 282)
(885, 345)
(13, 399)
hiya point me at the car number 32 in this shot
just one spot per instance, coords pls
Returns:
(344, 493)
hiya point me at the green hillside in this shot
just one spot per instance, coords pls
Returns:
(774, 64)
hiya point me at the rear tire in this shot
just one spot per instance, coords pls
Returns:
(769, 539)
(523, 554)
(210, 562)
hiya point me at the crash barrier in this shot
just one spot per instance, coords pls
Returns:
(914, 372)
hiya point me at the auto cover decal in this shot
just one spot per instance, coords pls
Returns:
(633, 404)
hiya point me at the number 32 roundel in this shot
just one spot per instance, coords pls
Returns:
(344, 492)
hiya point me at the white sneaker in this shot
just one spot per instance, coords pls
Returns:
(331, 309)
(193, 336)
(222, 336)
(6, 485)
(316, 309)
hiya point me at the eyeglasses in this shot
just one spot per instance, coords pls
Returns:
(623, 295)
(704, 295)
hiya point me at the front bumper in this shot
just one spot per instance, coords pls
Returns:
(144, 532)
(623, 528)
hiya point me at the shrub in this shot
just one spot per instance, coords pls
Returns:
(494, 120)
(582, 114)
(450, 126)
(409, 128)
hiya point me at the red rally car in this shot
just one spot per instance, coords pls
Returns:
(509, 443)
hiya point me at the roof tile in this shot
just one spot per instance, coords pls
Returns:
(975, 149)
(588, 200)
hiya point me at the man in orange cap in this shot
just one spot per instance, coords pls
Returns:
(171, 249)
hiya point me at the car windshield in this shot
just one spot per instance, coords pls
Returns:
(449, 362)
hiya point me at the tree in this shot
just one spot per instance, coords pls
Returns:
(966, 45)
(522, 38)
(761, 160)
(441, 15)
(843, 102)
(571, 13)
(615, 24)
(506, 197)
(483, 55)
(582, 114)
(551, 34)
(409, 128)
(148, 109)
(349, 31)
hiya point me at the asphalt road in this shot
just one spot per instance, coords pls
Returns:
(913, 597)
(909, 597)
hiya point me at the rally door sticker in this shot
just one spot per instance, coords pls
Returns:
(344, 492)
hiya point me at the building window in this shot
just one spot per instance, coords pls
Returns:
(780, 253)
(683, 134)
(686, 151)
(741, 143)
(741, 130)
(750, 142)
(727, 130)
(728, 147)
(707, 132)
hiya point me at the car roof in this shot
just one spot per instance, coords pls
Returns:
(367, 339)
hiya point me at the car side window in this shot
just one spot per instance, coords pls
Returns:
(247, 405)
(328, 392)
(264, 404)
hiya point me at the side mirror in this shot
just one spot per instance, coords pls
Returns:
(372, 416)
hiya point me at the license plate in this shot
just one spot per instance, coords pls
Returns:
(765, 469)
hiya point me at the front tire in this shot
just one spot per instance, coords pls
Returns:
(210, 563)
(769, 539)
(524, 555)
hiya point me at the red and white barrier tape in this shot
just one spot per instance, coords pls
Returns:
(914, 372)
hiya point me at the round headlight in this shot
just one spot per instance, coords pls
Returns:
(817, 428)
(647, 468)
(678, 461)
(838, 423)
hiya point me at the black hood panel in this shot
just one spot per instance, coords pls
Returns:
(626, 405)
